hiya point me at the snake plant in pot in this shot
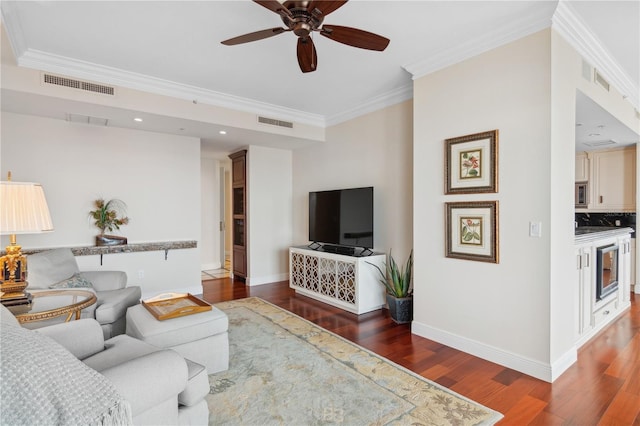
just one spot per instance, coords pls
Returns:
(397, 282)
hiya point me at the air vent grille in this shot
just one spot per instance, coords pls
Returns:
(79, 84)
(601, 81)
(274, 122)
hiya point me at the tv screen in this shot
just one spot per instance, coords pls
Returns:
(343, 217)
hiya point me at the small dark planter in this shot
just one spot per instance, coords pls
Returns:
(110, 240)
(400, 308)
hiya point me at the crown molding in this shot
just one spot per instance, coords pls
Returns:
(11, 24)
(384, 100)
(89, 71)
(568, 24)
(507, 33)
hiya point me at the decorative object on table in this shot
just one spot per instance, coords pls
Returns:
(397, 282)
(109, 216)
(23, 210)
(174, 305)
(472, 163)
(472, 230)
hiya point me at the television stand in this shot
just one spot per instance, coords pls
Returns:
(347, 282)
(330, 248)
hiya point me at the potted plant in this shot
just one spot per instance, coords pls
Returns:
(109, 216)
(397, 282)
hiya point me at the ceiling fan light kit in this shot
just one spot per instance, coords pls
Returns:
(305, 17)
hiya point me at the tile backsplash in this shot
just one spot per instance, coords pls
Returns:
(607, 219)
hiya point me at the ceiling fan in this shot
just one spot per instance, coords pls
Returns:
(305, 17)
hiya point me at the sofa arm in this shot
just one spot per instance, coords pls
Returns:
(106, 280)
(149, 380)
(82, 338)
(113, 305)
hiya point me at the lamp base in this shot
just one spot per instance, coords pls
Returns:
(16, 298)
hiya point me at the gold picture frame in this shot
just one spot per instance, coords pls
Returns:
(471, 163)
(472, 231)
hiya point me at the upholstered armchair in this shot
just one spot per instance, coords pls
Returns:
(58, 269)
(73, 372)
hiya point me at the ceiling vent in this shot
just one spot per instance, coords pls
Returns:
(78, 84)
(601, 81)
(601, 143)
(86, 119)
(274, 122)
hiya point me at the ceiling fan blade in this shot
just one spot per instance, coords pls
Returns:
(274, 6)
(325, 6)
(307, 57)
(355, 37)
(258, 35)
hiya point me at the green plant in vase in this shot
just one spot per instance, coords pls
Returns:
(397, 282)
(109, 216)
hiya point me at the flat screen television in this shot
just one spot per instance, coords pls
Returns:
(342, 217)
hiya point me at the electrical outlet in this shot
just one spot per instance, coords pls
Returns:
(141, 274)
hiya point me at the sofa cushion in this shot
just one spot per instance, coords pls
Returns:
(197, 384)
(113, 304)
(75, 281)
(117, 350)
(51, 266)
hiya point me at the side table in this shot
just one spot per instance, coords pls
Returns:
(54, 303)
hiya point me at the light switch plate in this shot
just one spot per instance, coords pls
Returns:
(535, 229)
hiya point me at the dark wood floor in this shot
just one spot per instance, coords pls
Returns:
(602, 388)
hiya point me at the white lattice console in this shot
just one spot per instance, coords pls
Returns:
(347, 282)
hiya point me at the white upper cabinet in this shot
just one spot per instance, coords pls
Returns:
(582, 167)
(613, 180)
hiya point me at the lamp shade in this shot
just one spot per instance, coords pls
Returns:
(23, 209)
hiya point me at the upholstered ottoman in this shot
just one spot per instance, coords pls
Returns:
(200, 337)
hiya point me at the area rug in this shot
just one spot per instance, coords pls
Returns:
(285, 370)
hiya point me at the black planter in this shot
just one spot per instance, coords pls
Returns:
(110, 240)
(400, 308)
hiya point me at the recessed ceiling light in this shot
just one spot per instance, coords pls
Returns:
(594, 134)
(223, 132)
(138, 119)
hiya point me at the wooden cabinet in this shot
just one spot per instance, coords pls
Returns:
(347, 282)
(239, 208)
(613, 180)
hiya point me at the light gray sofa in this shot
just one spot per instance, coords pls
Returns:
(161, 387)
(48, 268)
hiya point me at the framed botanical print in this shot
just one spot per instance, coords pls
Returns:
(472, 230)
(471, 163)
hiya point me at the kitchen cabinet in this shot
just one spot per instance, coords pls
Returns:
(592, 313)
(613, 180)
(582, 167)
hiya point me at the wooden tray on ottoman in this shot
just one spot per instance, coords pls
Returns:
(174, 305)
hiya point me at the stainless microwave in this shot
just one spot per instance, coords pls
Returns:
(582, 194)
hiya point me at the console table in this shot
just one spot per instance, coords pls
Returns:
(347, 282)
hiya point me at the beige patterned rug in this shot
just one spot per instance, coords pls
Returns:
(285, 370)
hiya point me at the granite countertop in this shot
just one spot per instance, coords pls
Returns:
(592, 233)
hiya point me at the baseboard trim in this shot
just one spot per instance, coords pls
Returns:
(210, 266)
(525, 365)
(269, 279)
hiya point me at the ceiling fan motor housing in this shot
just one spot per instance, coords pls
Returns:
(302, 22)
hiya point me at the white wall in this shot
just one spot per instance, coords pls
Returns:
(210, 215)
(496, 311)
(269, 210)
(372, 150)
(156, 175)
